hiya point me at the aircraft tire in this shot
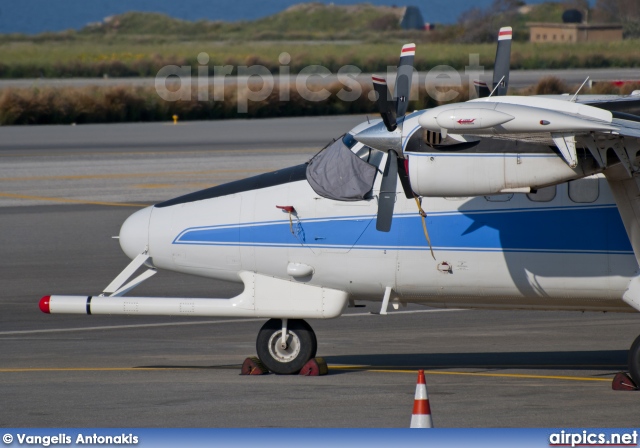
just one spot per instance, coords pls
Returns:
(634, 361)
(302, 346)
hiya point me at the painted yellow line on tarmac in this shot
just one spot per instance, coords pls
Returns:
(87, 369)
(174, 186)
(89, 152)
(331, 367)
(130, 175)
(494, 375)
(68, 201)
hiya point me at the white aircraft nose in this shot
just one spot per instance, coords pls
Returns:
(134, 233)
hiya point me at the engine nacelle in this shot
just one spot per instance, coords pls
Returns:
(463, 175)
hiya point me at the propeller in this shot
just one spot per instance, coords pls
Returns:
(500, 67)
(387, 198)
(392, 111)
(386, 105)
(403, 78)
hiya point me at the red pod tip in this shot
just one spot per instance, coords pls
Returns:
(44, 304)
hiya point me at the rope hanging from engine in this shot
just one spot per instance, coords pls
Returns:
(423, 215)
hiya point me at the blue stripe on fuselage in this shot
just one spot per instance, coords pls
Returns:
(591, 229)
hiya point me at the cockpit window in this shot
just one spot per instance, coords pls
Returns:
(283, 176)
(349, 140)
(339, 174)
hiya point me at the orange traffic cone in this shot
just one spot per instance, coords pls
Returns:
(421, 417)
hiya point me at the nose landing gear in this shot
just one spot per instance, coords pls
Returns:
(286, 355)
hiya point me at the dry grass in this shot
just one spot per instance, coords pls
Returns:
(53, 105)
(68, 105)
(612, 89)
(132, 104)
(117, 58)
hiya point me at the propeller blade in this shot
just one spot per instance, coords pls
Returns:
(403, 79)
(482, 89)
(385, 103)
(501, 67)
(387, 198)
(503, 61)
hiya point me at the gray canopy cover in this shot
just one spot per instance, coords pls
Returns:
(337, 173)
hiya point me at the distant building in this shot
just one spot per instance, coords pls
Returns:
(412, 19)
(574, 28)
(574, 32)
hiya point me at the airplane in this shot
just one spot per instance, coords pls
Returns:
(500, 202)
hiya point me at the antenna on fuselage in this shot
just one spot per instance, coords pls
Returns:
(573, 100)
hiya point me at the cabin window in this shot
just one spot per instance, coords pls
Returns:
(499, 197)
(584, 190)
(543, 194)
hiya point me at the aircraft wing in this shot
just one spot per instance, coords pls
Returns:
(628, 128)
(567, 125)
(622, 106)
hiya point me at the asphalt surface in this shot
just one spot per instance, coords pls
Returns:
(66, 191)
(135, 163)
(518, 79)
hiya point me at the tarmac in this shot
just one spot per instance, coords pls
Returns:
(518, 79)
(65, 191)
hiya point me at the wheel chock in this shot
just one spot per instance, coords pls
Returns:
(253, 366)
(315, 367)
(622, 381)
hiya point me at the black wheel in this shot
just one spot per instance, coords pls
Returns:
(301, 346)
(634, 361)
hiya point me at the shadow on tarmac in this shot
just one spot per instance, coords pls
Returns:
(604, 360)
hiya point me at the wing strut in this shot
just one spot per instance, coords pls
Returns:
(116, 288)
(566, 143)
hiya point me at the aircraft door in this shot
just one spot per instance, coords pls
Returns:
(270, 232)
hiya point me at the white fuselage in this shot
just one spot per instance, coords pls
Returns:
(505, 251)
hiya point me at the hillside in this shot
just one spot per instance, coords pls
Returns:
(303, 21)
(318, 22)
(139, 44)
